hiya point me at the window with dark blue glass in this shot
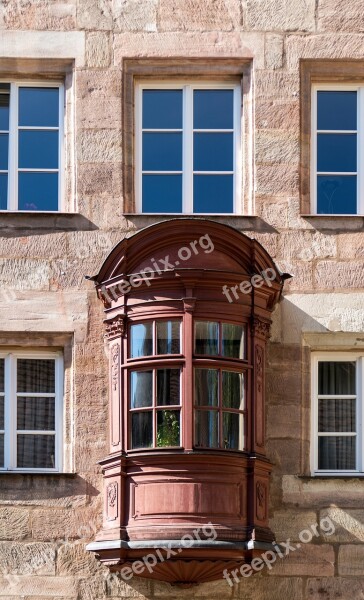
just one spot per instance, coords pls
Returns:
(336, 185)
(30, 147)
(187, 140)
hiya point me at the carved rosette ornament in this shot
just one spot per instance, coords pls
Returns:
(261, 328)
(112, 501)
(261, 502)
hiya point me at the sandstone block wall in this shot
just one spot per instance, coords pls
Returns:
(46, 520)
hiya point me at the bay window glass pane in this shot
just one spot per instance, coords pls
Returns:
(213, 109)
(38, 191)
(336, 194)
(141, 383)
(206, 387)
(206, 337)
(337, 415)
(168, 337)
(337, 453)
(35, 375)
(36, 413)
(162, 109)
(168, 387)
(233, 340)
(2, 374)
(38, 107)
(38, 149)
(3, 191)
(142, 430)
(233, 431)
(1, 449)
(168, 428)
(336, 377)
(337, 110)
(141, 339)
(4, 151)
(232, 390)
(213, 152)
(336, 152)
(206, 429)
(162, 151)
(162, 193)
(4, 106)
(213, 194)
(36, 451)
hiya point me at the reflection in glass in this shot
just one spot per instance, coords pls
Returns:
(38, 191)
(38, 149)
(141, 384)
(168, 428)
(4, 106)
(206, 387)
(336, 378)
(206, 429)
(233, 431)
(337, 415)
(141, 339)
(2, 412)
(36, 413)
(1, 449)
(233, 340)
(3, 191)
(35, 451)
(337, 110)
(336, 152)
(213, 194)
(232, 390)
(336, 194)
(213, 109)
(162, 193)
(162, 151)
(213, 152)
(206, 337)
(168, 337)
(162, 109)
(142, 429)
(38, 107)
(35, 375)
(2, 370)
(168, 387)
(337, 453)
(4, 152)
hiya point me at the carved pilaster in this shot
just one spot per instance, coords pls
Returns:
(115, 409)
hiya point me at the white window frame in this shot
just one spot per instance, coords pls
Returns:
(10, 406)
(187, 172)
(13, 169)
(338, 357)
(337, 87)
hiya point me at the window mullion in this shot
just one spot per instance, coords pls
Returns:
(359, 424)
(360, 154)
(13, 148)
(314, 155)
(187, 140)
(10, 393)
(58, 445)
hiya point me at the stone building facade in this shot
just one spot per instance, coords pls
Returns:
(95, 48)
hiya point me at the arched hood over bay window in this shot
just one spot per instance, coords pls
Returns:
(188, 306)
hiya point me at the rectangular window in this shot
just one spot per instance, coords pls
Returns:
(337, 186)
(337, 414)
(188, 148)
(31, 139)
(31, 392)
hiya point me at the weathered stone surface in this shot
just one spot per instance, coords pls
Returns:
(320, 492)
(304, 245)
(36, 490)
(98, 50)
(335, 587)
(307, 559)
(73, 559)
(101, 180)
(284, 421)
(186, 15)
(277, 86)
(281, 15)
(27, 245)
(285, 455)
(256, 588)
(39, 14)
(132, 15)
(348, 524)
(351, 245)
(339, 275)
(341, 45)
(27, 559)
(277, 114)
(105, 115)
(94, 14)
(215, 43)
(64, 525)
(98, 84)
(289, 523)
(44, 44)
(99, 146)
(275, 146)
(277, 180)
(338, 15)
(301, 271)
(31, 586)
(14, 524)
(24, 274)
(351, 558)
(274, 213)
(273, 51)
